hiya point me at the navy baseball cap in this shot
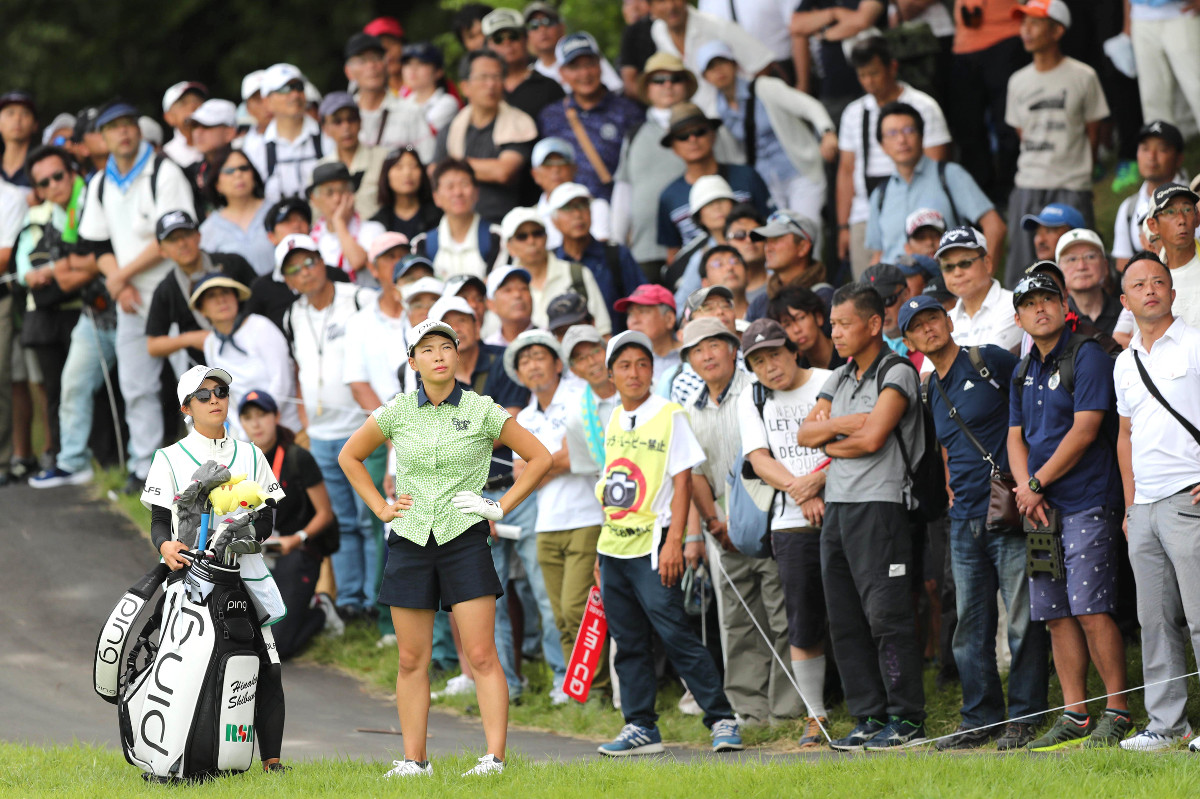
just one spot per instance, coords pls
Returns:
(117, 109)
(575, 45)
(1053, 215)
(171, 221)
(424, 52)
(922, 302)
(258, 398)
(1032, 284)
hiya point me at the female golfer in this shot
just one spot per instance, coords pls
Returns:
(204, 398)
(438, 553)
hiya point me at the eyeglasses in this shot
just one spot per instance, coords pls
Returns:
(662, 80)
(1187, 210)
(541, 22)
(1086, 258)
(587, 356)
(299, 266)
(536, 234)
(205, 394)
(907, 130)
(233, 170)
(694, 133)
(55, 178)
(948, 267)
(289, 87)
(489, 77)
(504, 37)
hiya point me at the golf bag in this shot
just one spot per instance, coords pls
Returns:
(185, 703)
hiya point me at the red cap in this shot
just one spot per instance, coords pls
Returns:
(646, 294)
(385, 26)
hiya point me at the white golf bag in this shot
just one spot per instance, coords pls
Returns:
(185, 703)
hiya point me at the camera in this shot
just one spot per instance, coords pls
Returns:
(620, 491)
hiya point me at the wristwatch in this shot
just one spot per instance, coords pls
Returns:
(1035, 485)
(303, 536)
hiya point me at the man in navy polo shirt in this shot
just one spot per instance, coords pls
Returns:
(1061, 449)
(982, 562)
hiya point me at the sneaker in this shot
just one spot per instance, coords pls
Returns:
(1126, 178)
(409, 768)
(726, 736)
(1194, 746)
(386, 641)
(488, 764)
(55, 477)
(559, 697)
(1149, 741)
(276, 768)
(967, 737)
(898, 732)
(813, 734)
(1017, 735)
(133, 486)
(633, 740)
(334, 626)
(457, 686)
(867, 729)
(1065, 732)
(1110, 731)
(21, 468)
(689, 706)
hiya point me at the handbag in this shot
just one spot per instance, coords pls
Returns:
(749, 500)
(1003, 518)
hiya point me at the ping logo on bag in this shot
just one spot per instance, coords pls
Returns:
(239, 733)
(235, 604)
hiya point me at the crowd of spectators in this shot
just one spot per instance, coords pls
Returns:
(801, 296)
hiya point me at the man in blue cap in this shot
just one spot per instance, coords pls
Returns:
(961, 398)
(1047, 228)
(593, 118)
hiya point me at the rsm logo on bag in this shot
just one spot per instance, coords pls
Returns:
(239, 733)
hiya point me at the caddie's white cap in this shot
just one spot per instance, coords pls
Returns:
(192, 378)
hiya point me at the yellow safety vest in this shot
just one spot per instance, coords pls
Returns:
(634, 471)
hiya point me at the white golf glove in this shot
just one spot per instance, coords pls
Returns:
(472, 503)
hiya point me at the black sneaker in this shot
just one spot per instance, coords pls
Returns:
(867, 729)
(1016, 735)
(133, 486)
(898, 732)
(966, 737)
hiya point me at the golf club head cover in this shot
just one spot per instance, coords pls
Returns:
(189, 505)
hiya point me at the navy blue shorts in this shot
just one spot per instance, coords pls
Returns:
(1090, 546)
(436, 576)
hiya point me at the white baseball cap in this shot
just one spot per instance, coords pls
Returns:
(294, 241)
(517, 217)
(450, 303)
(565, 193)
(1077, 236)
(502, 273)
(276, 76)
(215, 113)
(177, 90)
(151, 131)
(192, 378)
(424, 285)
(430, 326)
(252, 83)
(924, 217)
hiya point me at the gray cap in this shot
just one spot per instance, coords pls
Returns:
(524, 341)
(579, 334)
(785, 221)
(619, 341)
(706, 327)
(699, 296)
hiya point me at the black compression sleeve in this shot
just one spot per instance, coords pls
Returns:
(160, 526)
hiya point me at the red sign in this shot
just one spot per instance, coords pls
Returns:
(589, 644)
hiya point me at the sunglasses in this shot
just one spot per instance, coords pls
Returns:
(290, 86)
(233, 170)
(663, 80)
(694, 133)
(888, 302)
(948, 267)
(542, 22)
(537, 234)
(738, 235)
(55, 178)
(504, 37)
(205, 394)
(299, 266)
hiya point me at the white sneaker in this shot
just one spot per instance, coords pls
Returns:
(410, 768)
(334, 626)
(1149, 741)
(456, 686)
(689, 706)
(488, 764)
(559, 697)
(386, 641)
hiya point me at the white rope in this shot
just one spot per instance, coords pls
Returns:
(771, 646)
(1051, 710)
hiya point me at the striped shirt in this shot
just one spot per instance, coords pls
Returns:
(716, 428)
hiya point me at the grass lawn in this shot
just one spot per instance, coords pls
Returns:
(81, 771)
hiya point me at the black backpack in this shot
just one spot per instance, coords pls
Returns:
(928, 475)
(1066, 361)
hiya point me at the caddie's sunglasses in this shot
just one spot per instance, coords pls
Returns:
(205, 394)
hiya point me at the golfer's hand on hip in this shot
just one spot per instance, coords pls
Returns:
(472, 503)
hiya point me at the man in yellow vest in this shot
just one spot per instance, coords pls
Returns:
(646, 490)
